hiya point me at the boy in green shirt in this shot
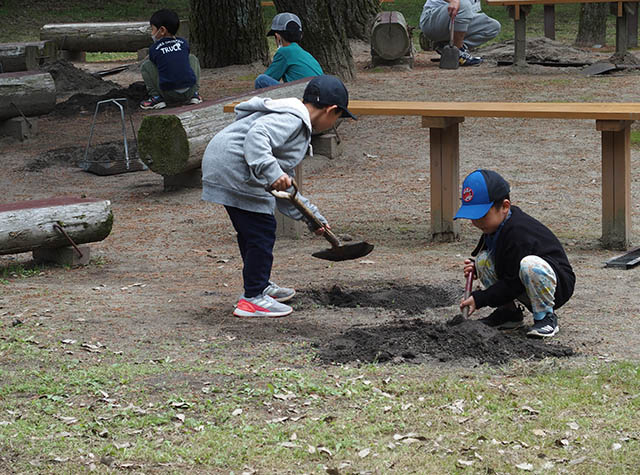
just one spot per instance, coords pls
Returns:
(290, 62)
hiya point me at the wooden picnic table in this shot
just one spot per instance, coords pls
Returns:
(443, 119)
(520, 8)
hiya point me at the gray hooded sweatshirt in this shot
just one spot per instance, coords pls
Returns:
(268, 138)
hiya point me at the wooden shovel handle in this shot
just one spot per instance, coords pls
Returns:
(467, 293)
(293, 197)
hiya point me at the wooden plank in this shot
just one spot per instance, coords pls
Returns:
(612, 125)
(532, 110)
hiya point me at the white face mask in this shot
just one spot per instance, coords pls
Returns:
(153, 37)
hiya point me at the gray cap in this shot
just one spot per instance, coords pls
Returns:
(285, 22)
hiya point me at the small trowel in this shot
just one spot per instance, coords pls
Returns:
(338, 251)
(450, 58)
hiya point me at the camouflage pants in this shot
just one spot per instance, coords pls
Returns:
(537, 276)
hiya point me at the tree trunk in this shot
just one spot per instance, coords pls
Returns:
(30, 225)
(174, 144)
(225, 32)
(592, 27)
(324, 33)
(32, 93)
(359, 16)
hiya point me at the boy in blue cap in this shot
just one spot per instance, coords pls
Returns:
(291, 62)
(258, 152)
(517, 258)
(171, 74)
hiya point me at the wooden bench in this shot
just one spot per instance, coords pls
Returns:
(52, 229)
(520, 8)
(443, 118)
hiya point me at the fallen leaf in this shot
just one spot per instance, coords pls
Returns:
(121, 445)
(464, 463)
(289, 445)
(562, 442)
(277, 420)
(577, 461)
(573, 425)
(530, 410)
(237, 412)
(616, 446)
(527, 467)
(311, 449)
(325, 451)
(69, 342)
(363, 453)
(180, 417)
(539, 432)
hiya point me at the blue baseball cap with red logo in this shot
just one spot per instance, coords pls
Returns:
(479, 190)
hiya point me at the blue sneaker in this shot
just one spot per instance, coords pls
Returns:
(544, 328)
(466, 59)
(154, 102)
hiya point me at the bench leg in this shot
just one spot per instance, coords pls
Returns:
(520, 40)
(616, 183)
(445, 171)
(550, 22)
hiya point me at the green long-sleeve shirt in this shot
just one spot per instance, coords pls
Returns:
(291, 63)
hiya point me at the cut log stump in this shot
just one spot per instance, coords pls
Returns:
(28, 93)
(45, 224)
(26, 56)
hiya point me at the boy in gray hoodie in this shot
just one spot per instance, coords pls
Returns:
(258, 152)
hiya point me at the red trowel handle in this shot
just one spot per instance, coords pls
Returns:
(467, 292)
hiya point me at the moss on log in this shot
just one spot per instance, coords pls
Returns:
(163, 145)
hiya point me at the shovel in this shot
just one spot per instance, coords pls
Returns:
(338, 251)
(450, 58)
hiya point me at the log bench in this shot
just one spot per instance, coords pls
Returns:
(518, 10)
(443, 119)
(171, 142)
(26, 56)
(78, 38)
(53, 228)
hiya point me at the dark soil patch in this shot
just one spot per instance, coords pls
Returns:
(411, 299)
(68, 78)
(419, 341)
(72, 156)
(84, 102)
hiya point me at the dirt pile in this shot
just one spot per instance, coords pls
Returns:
(541, 50)
(411, 299)
(70, 79)
(83, 102)
(422, 342)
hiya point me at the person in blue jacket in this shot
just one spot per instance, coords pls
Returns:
(290, 62)
(171, 74)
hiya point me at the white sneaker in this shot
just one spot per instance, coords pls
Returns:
(281, 294)
(261, 306)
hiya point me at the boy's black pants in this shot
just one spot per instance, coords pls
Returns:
(256, 237)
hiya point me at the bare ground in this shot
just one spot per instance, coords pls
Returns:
(182, 254)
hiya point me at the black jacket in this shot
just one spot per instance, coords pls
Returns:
(523, 235)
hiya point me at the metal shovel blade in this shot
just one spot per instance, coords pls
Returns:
(345, 252)
(450, 58)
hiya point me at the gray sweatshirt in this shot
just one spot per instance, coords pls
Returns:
(269, 137)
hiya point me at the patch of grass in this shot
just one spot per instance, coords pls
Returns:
(105, 57)
(635, 138)
(213, 412)
(19, 271)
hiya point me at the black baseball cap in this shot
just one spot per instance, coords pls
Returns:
(327, 90)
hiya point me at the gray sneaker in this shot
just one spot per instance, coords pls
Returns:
(281, 294)
(544, 328)
(261, 306)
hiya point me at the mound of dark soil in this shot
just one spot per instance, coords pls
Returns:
(68, 78)
(420, 341)
(83, 102)
(72, 156)
(411, 299)
(539, 50)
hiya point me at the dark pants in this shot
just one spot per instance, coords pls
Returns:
(256, 238)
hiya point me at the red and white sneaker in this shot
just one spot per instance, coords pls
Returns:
(261, 306)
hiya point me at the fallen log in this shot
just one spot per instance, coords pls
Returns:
(28, 93)
(25, 56)
(171, 144)
(103, 37)
(31, 225)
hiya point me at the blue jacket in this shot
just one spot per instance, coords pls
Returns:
(171, 57)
